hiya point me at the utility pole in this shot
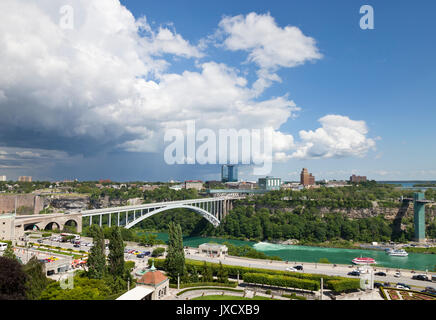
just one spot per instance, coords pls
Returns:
(322, 280)
(178, 281)
(128, 284)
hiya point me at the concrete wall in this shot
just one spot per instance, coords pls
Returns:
(32, 203)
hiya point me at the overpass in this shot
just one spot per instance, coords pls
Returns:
(212, 209)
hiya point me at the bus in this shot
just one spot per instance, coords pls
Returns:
(76, 236)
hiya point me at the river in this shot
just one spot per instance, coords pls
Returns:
(415, 261)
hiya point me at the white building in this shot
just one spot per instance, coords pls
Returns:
(3, 178)
(213, 249)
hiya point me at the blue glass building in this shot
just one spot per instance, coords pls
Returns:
(229, 173)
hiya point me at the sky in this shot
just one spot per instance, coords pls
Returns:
(89, 88)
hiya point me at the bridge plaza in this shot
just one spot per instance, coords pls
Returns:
(213, 209)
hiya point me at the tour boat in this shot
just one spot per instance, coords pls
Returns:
(397, 253)
(362, 260)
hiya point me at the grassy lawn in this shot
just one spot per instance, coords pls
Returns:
(220, 297)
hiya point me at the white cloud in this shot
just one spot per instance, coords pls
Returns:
(338, 137)
(270, 46)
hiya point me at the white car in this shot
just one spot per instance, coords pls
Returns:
(397, 275)
(291, 269)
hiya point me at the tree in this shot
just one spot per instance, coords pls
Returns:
(9, 253)
(36, 278)
(206, 273)
(12, 280)
(223, 275)
(175, 260)
(116, 253)
(97, 258)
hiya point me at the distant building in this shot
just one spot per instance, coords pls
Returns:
(229, 173)
(213, 249)
(25, 179)
(357, 179)
(270, 183)
(194, 184)
(306, 178)
(157, 281)
(245, 185)
(3, 178)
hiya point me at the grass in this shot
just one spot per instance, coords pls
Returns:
(216, 297)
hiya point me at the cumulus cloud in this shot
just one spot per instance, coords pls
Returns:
(106, 84)
(338, 137)
(270, 46)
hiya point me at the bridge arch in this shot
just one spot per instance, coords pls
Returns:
(208, 216)
(52, 226)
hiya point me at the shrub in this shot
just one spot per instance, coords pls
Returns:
(281, 281)
(293, 296)
(209, 288)
(344, 285)
(202, 284)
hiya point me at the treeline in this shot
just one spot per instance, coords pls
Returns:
(245, 222)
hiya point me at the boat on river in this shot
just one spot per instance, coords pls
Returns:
(364, 260)
(397, 253)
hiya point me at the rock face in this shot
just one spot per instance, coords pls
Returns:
(70, 203)
(389, 213)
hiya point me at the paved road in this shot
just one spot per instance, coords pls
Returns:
(327, 269)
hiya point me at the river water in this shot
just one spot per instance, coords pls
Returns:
(415, 261)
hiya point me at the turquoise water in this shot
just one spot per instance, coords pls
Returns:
(415, 261)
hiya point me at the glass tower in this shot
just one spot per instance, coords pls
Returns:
(229, 173)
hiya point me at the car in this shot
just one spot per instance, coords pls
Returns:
(421, 277)
(378, 285)
(402, 286)
(397, 274)
(147, 253)
(354, 273)
(380, 274)
(298, 267)
(76, 245)
(291, 269)
(429, 290)
(141, 255)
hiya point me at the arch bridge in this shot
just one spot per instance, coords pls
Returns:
(212, 209)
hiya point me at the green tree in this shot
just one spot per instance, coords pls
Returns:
(206, 273)
(12, 280)
(97, 258)
(116, 253)
(36, 278)
(175, 260)
(9, 253)
(223, 275)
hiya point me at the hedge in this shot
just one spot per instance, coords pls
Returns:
(293, 296)
(209, 288)
(343, 285)
(281, 281)
(203, 284)
(340, 284)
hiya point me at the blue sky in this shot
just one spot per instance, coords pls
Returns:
(384, 77)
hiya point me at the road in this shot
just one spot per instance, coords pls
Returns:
(316, 268)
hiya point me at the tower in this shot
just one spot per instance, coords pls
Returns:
(419, 216)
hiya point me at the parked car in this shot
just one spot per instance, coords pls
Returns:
(378, 285)
(76, 245)
(141, 255)
(354, 273)
(429, 290)
(380, 274)
(421, 277)
(298, 268)
(397, 274)
(147, 253)
(291, 269)
(402, 286)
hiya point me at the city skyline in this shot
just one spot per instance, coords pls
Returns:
(341, 100)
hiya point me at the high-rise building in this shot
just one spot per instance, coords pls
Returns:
(357, 179)
(306, 178)
(270, 183)
(229, 173)
(25, 179)
(3, 178)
